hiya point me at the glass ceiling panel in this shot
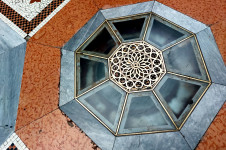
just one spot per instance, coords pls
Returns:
(130, 29)
(162, 34)
(106, 103)
(143, 113)
(101, 43)
(179, 95)
(185, 59)
(90, 72)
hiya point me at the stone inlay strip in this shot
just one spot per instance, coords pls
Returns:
(24, 24)
(13, 142)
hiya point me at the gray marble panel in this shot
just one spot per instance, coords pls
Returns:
(5, 133)
(203, 115)
(128, 10)
(178, 18)
(8, 37)
(93, 128)
(157, 141)
(11, 70)
(84, 32)
(67, 77)
(212, 56)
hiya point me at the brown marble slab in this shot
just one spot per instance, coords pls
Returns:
(54, 131)
(219, 32)
(65, 23)
(115, 3)
(39, 89)
(207, 11)
(215, 136)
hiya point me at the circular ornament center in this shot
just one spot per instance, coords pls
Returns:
(136, 66)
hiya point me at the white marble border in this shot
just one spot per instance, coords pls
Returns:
(26, 9)
(14, 138)
(21, 32)
(48, 18)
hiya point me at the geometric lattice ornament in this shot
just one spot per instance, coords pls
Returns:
(136, 66)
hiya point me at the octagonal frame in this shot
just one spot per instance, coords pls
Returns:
(200, 118)
(134, 91)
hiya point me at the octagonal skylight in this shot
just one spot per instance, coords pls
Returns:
(140, 74)
(177, 96)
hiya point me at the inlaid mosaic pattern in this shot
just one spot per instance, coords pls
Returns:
(28, 14)
(13, 143)
(12, 147)
(27, 8)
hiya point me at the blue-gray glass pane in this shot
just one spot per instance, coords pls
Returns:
(162, 34)
(179, 95)
(103, 43)
(90, 72)
(143, 113)
(185, 59)
(130, 29)
(106, 103)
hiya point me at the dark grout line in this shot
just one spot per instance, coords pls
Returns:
(185, 140)
(37, 119)
(45, 44)
(219, 84)
(114, 143)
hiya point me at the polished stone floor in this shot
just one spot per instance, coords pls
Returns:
(30, 73)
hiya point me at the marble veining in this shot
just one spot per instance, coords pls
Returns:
(128, 10)
(157, 141)
(204, 113)
(8, 37)
(5, 133)
(212, 56)
(66, 77)
(11, 68)
(178, 18)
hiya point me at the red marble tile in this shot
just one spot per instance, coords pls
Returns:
(65, 23)
(54, 131)
(39, 89)
(215, 137)
(219, 31)
(115, 3)
(206, 11)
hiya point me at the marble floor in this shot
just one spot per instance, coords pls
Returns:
(34, 31)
